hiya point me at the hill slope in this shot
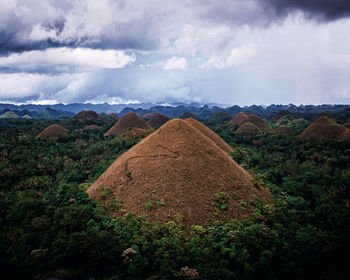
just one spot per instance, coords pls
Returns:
(238, 119)
(248, 129)
(130, 120)
(209, 133)
(177, 172)
(325, 128)
(53, 131)
(157, 120)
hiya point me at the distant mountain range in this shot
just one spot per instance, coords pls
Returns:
(203, 111)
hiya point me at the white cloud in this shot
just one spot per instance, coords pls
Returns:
(176, 63)
(58, 57)
(23, 85)
(40, 33)
(111, 100)
(234, 58)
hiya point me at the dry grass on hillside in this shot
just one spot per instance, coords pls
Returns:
(248, 129)
(53, 131)
(209, 133)
(177, 173)
(325, 128)
(130, 120)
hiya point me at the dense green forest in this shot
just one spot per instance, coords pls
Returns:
(51, 229)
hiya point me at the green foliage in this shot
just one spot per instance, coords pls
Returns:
(116, 204)
(49, 228)
(149, 205)
(105, 192)
(221, 200)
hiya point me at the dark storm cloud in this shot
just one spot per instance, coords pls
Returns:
(324, 10)
(139, 25)
(262, 13)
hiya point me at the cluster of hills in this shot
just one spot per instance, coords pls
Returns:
(181, 164)
(284, 122)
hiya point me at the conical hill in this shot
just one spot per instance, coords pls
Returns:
(325, 128)
(238, 119)
(259, 123)
(114, 115)
(209, 133)
(157, 120)
(248, 129)
(129, 121)
(87, 116)
(53, 131)
(176, 173)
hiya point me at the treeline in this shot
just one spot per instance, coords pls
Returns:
(204, 112)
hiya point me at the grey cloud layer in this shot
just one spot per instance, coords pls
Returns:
(327, 10)
(138, 25)
(226, 51)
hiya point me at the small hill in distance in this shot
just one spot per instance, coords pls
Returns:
(248, 129)
(9, 115)
(157, 120)
(177, 173)
(324, 128)
(238, 119)
(259, 123)
(114, 115)
(53, 131)
(281, 114)
(188, 114)
(92, 127)
(220, 117)
(128, 121)
(210, 134)
(284, 130)
(147, 116)
(85, 116)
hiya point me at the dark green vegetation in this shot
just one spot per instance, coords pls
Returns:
(51, 229)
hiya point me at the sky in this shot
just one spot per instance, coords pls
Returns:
(228, 52)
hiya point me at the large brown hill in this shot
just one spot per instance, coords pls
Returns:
(157, 120)
(130, 120)
(209, 133)
(325, 128)
(53, 131)
(238, 119)
(177, 173)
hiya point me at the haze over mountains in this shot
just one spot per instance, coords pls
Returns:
(204, 111)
